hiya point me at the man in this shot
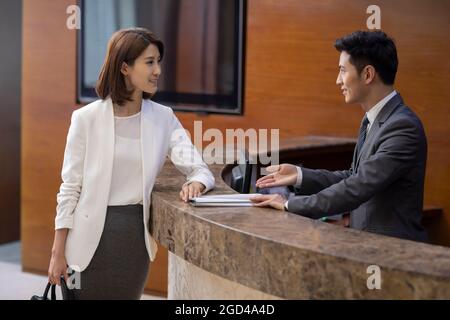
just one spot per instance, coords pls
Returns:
(383, 189)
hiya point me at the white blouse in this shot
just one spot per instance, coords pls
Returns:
(126, 182)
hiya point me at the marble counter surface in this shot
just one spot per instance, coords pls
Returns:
(289, 256)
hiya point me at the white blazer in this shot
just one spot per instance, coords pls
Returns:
(87, 171)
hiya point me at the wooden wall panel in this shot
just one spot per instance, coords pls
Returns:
(291, 68)
(48, 99)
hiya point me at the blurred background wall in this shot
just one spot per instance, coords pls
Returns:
(10, 84)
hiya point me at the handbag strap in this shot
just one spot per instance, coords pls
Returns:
(52, 294)
(45, 295)
(65, 291)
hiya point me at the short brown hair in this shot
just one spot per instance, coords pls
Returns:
(125, 45)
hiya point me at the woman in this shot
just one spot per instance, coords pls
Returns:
(115, 148)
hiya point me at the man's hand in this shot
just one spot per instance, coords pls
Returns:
(275, 201)
(191, 190)
(280, 175)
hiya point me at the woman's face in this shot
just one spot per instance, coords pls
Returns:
(144, 73)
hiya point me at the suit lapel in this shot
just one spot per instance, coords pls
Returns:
(353, 166)
(381, 118)
(148, 124)
(106, 134)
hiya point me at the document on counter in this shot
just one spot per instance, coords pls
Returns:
(224, 200)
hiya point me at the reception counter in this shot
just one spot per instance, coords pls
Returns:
(261, 253)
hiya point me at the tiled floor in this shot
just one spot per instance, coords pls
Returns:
(18, 285)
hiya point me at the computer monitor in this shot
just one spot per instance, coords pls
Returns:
(241, 176)
(241, 173)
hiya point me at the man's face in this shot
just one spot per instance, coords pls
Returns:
(351, 83)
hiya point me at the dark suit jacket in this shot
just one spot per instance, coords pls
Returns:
(383, 190)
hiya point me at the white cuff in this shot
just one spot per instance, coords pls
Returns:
(299, 177)
(63, 222)
(201, 180)
(286, 205)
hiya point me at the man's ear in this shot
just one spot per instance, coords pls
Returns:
(369, 74)
(124, 68)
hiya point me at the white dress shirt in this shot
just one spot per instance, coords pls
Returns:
(371, 116)
(375, 110)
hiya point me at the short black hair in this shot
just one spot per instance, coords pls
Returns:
(373, 48)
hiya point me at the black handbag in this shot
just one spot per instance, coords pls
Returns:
(67, 294)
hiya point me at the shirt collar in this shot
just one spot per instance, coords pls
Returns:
(375, 110)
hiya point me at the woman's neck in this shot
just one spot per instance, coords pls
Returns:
(130, 107)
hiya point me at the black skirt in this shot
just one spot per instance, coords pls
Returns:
(120, 264)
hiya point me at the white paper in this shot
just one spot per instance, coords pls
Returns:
(225, 200)
(221, 204)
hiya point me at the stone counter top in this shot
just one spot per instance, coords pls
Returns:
(290, 256)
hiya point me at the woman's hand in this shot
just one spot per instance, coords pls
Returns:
(280, 175)
(191, 190)
(58, 267)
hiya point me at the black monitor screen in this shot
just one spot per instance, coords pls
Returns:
(202, 68)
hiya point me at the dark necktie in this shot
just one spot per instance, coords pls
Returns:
(362, 135)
